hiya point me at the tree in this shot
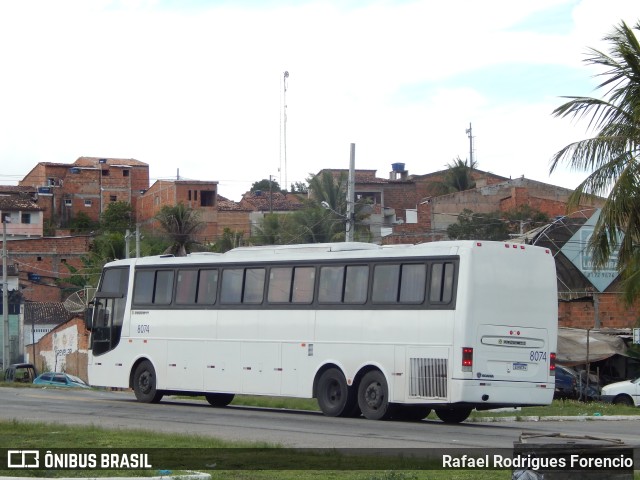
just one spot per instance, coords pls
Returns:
(478, 226)
(228, 241)
(457, 178)
(82, 223)
(117, 217)
(495, 225)
(265, 185)
(181, 224)
(611, 155)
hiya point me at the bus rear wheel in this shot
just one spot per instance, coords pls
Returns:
(373, 396)
(219, 399)
(335, 398)
(453, 415)
(144, 383)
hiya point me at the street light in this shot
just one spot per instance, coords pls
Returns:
(349, 219)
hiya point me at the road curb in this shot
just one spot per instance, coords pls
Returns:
(573, 418)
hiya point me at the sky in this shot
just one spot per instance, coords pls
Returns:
(197, 88)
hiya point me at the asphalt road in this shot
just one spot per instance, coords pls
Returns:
(287, 428)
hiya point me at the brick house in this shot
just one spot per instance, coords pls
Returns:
(88, 185)
(216, 212)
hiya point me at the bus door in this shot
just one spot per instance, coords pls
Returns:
(108, 311)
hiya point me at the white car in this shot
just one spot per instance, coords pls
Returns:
(622, 393)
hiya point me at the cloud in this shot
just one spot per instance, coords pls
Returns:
(197, 86)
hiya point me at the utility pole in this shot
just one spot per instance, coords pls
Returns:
(284, 126)
(137, 240)
(469, 132)
(127, 238)
(5, 298)
(351, 195)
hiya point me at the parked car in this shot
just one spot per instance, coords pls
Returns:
(56, 379)
(566, 383)
(626, 392)
(20, 372)
(571, 383)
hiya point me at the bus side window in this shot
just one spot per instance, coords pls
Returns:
(441, 290)
(279, 285)
(143, 287)
(253, 285)
(386, 279)
(164, 287)
(303, 283)
(207, 287)
(231, 290)
(186, 287)
(356, 284)
(414, 279)
(331, 280)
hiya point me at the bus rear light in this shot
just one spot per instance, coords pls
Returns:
(552, 363)
(467, 359)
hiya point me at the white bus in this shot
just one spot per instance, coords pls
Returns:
(386, 332)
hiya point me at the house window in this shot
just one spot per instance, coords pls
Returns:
(207, 198)
(113, 198)
(67, 202)
(125, 173)
(26, 218)
(105, 173)
(6, 218)
(88, 203)
(39, 259)
(63, 260)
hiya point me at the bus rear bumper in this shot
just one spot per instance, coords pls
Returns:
(504, 393)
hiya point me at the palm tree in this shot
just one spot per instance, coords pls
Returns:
(611, 155)
(457, 177)
(181, 224)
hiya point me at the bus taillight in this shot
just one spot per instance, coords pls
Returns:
(552, 363)
(467, 359)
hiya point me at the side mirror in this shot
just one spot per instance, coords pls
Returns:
(88, 318)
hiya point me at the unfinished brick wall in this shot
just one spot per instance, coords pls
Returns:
(602, 310)
(63, 349)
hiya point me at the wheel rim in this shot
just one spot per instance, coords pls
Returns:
(145, 382)
(334, 393)
(374, 395)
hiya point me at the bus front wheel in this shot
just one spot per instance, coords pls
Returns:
(144, 383)
(453, 415)
(335, 398)
(219, 399)
(373, 396)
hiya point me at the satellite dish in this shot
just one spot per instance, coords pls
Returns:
(78, 301)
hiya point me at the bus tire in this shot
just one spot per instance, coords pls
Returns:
(411, 413)
(334, 396)
(373, 396)
(144, 383)
(219, 399)
(453, 415)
